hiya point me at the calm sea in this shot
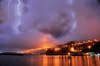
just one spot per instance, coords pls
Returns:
(43, 60)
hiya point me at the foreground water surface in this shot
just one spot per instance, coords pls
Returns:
(43, 60)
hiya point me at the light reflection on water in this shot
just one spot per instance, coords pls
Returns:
(44, 60)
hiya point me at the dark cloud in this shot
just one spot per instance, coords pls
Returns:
(59, 27)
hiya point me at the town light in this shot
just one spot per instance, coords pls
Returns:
(72, 49)
(89, 47)
(57, 49)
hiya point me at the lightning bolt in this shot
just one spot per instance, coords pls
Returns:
(74, 20)
(18, 11)
(72, 13)
(18, 14)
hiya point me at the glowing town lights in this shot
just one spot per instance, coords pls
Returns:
(56, 49)
(96, 40)
(66, 45)
(84, 42)
(79, 43)
(89, 47)
(69, 53)
(86, 53)
(72, 49)
(90, 41)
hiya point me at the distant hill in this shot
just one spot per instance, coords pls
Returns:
(11, 53)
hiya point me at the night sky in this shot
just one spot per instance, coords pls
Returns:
(34, 23)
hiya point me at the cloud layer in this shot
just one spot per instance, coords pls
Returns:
(37, 23)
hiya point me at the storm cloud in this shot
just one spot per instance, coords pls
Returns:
(34, 23)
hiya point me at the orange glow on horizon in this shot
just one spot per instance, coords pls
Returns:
(46, 42)
(45, 47)
(57, 49)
